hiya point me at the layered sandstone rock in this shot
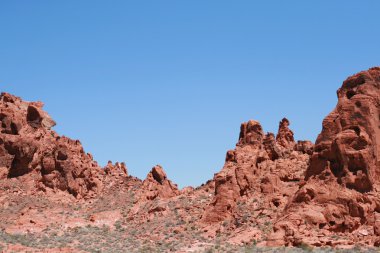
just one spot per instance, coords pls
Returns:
(157, 185)
(341, 194)
(31, 150)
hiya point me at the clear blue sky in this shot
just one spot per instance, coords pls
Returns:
(169, 82)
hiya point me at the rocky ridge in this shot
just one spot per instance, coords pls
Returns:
(272, 191)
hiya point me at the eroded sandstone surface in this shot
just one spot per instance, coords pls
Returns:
(261, 166)
(341, 192)
(32, 152)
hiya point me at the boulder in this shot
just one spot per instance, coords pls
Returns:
(157, 186)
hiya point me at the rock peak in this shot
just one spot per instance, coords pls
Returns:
(253, 167)
(158, 174)
(251, 133)
(285, 136)
(116, 169)
(157, 185)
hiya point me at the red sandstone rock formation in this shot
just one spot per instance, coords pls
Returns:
(263, 180)
(258, 166)
(306, 147)
(349, 144)
(235, 181)
(341, 194)
(285, 136)
(117, 169)
(29, 148)
(157, 185)
(270, 146)
(251, 133)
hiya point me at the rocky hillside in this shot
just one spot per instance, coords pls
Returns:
(273, 191)
(33, 153)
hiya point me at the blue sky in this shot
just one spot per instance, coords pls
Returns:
(169, 82)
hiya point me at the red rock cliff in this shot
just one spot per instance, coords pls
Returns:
(341, 194)
(349, 145)
(31, 150)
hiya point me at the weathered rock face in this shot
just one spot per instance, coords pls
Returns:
(306, 147)
(270, 146)
(28, 146)
(260, 167)
(157, 185)
(341, 192)
(349, 145)
(251, 133)
(237, 176)
(285, 136)
(116, 169)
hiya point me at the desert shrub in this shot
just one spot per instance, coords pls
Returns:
(118, 226)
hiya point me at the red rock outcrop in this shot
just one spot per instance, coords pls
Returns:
(341, 194)
(235, 181)
(270, 146)
(349, 145)
(272, 190)
(157, 185)
(116, 169)
(31, 150)
(259, 166)
(285, 136)
(306, 147)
